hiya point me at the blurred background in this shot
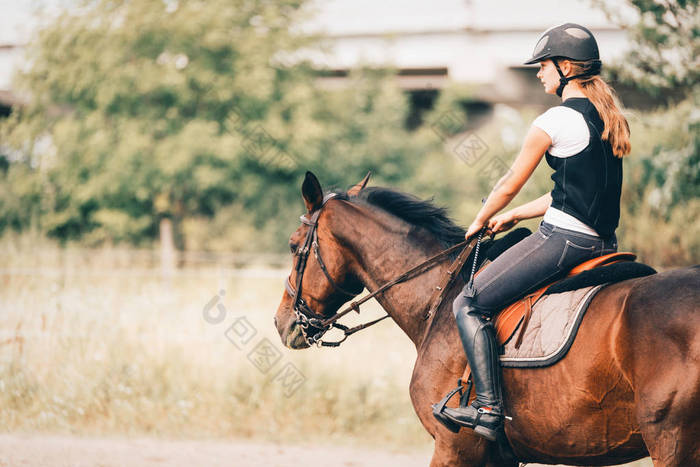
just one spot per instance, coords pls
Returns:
(151, 157)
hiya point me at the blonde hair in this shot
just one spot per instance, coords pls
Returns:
(616, 130)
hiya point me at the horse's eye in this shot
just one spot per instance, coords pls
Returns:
(293, 248)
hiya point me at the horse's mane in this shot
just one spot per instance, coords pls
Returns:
(434, 219)
(413, 210)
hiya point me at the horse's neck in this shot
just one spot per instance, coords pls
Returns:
(384, 252)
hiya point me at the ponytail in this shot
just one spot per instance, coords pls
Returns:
(616, 129)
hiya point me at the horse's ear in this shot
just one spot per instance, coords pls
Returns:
(311, 192)
(355, 190)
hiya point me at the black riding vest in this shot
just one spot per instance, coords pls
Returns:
(587, 185)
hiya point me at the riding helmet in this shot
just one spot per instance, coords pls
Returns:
(568, 40)
(572, 41)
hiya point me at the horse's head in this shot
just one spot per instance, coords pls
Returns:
(322, 276)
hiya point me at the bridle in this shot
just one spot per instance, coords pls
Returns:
(309, 321)
(305, 317)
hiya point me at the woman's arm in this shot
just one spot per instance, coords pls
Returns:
(535, 144)
(508, 219)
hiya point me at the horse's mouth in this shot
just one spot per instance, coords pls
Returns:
(295, 338)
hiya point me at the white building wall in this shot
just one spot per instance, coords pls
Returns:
(10, 58)
(475, 40)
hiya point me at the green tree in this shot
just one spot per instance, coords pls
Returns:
(666, 38)
(664, 61)
(186, 111)
(661, 194)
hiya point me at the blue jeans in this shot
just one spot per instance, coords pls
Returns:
(540, 258)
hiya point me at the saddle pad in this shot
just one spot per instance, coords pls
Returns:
(551, 329)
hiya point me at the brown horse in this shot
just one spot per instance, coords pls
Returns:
(628, 388)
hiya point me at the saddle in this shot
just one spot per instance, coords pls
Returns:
(600, 271)
(508, 320)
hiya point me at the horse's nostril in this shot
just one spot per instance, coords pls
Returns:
(275, 320)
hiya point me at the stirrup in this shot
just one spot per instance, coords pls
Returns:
(463, 401)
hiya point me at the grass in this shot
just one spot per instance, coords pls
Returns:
(100, 342)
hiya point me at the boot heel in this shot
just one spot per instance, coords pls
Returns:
(485, 432)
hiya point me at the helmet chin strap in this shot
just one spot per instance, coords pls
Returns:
(563, 80)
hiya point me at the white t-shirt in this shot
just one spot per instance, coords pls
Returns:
(567, 128)
(569, 133)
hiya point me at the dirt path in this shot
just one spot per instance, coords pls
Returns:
(67, 451)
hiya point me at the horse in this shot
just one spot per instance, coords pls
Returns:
(628, 388)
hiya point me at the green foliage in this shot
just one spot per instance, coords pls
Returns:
(661, 192)
(662, 174)
(666, 37)
(665, 158)
(19, 197)
(186, 110)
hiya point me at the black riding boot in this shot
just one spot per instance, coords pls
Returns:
(485, 414)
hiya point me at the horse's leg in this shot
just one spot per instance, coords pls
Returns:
(450, 449)
(660, 345)
(447, 454)
(465, 450)
(670, 424)
(668, 411)
(429, 383)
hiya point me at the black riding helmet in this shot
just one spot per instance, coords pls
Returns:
(568, 40)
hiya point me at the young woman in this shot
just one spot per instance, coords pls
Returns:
(583, 140)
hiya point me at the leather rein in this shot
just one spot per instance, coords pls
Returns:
(309, 320)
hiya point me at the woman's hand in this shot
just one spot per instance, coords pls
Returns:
(474, 229)
(502, 222)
